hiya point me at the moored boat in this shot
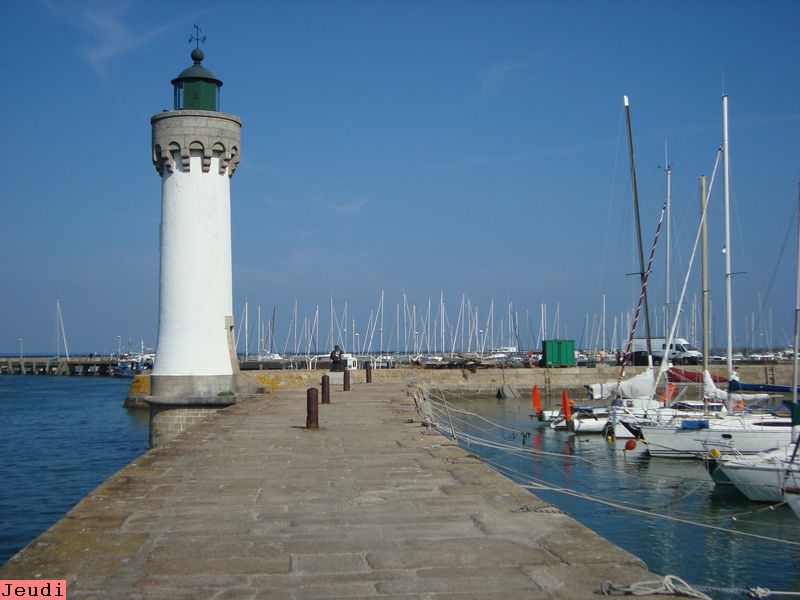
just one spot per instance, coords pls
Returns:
(732, 435)
(765, 477)
(792, 498)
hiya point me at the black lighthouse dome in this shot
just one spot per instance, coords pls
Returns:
(196, 88)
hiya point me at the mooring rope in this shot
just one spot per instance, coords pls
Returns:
(671, 585)
(648, 513)
(524, 450)
(425, 399)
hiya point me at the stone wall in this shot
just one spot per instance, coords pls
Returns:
(167, 422)
(286, 380)
(484, 380)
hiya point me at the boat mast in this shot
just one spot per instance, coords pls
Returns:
(441, 318)
(727, 249)
(638, 222)
(58, 334)
(557, 324)
(542, 325)
(272, 331)
(259, 339)
(246, 334)
(604, 325)
(60, 325)
(796, 317)
(704, 285)
(668, 170)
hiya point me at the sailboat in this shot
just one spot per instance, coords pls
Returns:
(743, 433)
(771, 476)
(636, 393)
(634, 400)
(762, 478)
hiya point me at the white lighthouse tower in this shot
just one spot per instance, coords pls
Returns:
(196, 152)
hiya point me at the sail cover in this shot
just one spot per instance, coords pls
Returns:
(642, 385)
(712, 392)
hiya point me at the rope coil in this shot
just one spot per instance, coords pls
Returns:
(671, 585)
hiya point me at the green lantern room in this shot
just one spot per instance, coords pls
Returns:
(196, 88)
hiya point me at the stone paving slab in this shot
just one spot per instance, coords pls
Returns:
(250, 504)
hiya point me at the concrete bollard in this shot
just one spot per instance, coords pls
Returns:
(326, 389)
(312, 409)
(346, 381)
(369, 372)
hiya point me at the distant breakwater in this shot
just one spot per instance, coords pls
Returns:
(94, 365)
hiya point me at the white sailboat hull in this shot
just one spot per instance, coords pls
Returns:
(675, 442)
(549, 415)
(793, 500)
(762, 481)
(590, 425)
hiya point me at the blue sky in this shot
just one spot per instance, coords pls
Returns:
(472, 148)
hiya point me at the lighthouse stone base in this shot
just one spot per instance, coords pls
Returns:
(171, 416)
(183, 386)
(178, 402)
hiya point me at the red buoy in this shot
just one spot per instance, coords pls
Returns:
(537, 401)
(630, 444)
(565, 406)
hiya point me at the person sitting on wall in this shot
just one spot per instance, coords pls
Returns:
(337, 362)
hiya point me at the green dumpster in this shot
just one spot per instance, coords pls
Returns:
(558, 353)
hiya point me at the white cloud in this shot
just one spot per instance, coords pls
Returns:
(110, 35)
(495, 77)
(350, 208)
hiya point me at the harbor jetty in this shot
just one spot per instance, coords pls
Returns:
(95, 364)
(250, 503)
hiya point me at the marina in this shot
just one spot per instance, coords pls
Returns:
(667, 511)
(491, 368)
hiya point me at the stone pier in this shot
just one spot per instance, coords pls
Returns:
(250, 504)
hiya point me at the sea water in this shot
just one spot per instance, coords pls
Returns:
(60, 437)
(708, 535)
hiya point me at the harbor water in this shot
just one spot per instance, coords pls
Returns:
(60, 437)
(665, 511)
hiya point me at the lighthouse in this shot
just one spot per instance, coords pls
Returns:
(195, 149)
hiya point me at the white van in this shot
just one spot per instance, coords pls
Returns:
(681, 352)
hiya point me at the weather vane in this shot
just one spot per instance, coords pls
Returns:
(195, 37)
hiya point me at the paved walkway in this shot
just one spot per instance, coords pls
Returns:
(250, 504)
